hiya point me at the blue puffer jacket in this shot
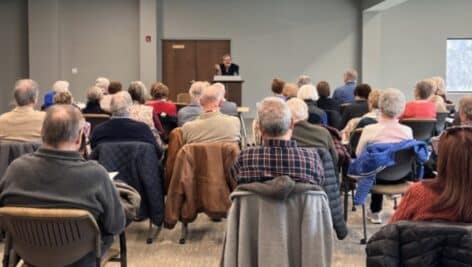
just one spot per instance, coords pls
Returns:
(377, 157)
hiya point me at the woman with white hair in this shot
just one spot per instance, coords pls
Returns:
(309, 94)
(307, 134)
(94, 95)
(387, 130)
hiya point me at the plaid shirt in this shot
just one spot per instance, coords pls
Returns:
(279, 157)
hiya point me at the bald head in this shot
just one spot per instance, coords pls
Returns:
(26, 92)
(61, 125)
(212, 96)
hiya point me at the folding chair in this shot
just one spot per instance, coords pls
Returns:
(423, 129)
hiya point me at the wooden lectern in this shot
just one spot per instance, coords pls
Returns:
(233, 85)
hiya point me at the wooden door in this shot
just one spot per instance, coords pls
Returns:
(190, 60)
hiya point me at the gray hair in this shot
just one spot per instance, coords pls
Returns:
(61, 124)
(392, 102)
(60, 86)
(298, 108)
(120, 103)
(212, 94)
(424, 89)
(137, 91)
(303, 79)
(197, 88)
(94, 93)
(274, 116)
(465, 106)
(26, 92)
(308, 91)
(351, 74)
(102, 83)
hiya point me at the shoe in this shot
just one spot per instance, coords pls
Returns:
(375, 217)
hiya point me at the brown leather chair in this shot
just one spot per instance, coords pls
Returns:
(95, 119)
(54, 237)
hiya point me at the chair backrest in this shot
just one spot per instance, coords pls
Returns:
(50, 237)
(95, 119)
(184, 98)
(441, 121)
(343, 107)
(450, 107)
(423, 129)
(354, 140)
(168, 122)
(334, 119)
(404, 164)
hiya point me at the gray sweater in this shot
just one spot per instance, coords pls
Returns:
(63, 179)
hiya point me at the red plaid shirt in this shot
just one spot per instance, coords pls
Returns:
(279, 157)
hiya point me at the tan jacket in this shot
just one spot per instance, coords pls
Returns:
(201, 182)
(212, 127)
(22, 124)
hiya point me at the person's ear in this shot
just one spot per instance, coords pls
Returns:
(78, 141)
(292, 123)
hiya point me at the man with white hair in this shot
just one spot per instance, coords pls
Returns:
(120, 127)
(212, 125)
(345, 94)
(278, 155)
(57, 87)
(194, 109)
(227, 107)
(23, 123)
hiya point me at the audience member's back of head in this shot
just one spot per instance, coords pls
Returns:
(94, 93)
(61, 125)
(323, 89)
(392, 103)
(274, 117)
(137, 91)
(114, 87)
(159, 91)
(308, 92)
(120, 104)
(60, 86)
(290, 90)
(424, 89)
(362, 90)
(26, 92)
(303, 80)
(103, 84)
(277, 86)
(350, 75)
(373, 99)
(298, 108)
(196, 89)
(64, 98)
(465, 110)
(212, 95)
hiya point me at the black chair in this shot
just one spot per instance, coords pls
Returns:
(354, 141)
(95, 119)
(334, 119)
(423, 129)
(440, 122)
(343, 107)
(168, 123)
(404, 166)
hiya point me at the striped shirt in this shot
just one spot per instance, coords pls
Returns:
(279, 157)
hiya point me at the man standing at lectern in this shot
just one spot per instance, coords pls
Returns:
(227, 67)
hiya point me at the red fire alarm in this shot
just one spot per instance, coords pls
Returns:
(148, 38)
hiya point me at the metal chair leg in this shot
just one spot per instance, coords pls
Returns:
(364, 226)
(395, 203)
(152, 234)
(183, 234)
(123, 250)
(346, 202)
(352, 196)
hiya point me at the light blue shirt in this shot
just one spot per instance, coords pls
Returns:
(344, 94)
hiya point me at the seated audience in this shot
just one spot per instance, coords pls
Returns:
(368, 118)
(290, 90)
(421, 107)
(94, 95)
(324, 101)
(212, 125)
(345, 94)
(309, 94)
(227, 107)
(303, 80)
(23, 123)
(120, 127)
(138, 110)
(307, 134)
(57, 87)
(194, 109)
(56, 176)
(277, 87)
(446, 197)
(113, 88)
(160, 104)
(387, 130)
(270, 160)
(359, 107)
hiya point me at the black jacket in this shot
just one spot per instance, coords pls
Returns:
(93, 107)
(326, 103)
(421, 244)
(354, 110)
(315, 114)
(137, 165)
(331, 187)
(232, 70)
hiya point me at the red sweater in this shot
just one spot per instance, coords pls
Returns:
(167, 107)
(419, 109)
(416, 205)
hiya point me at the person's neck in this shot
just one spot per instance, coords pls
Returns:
(211, 108)
(385, 118)
(286, 137)
(62, 147)
(29, 106)
(357, 98)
